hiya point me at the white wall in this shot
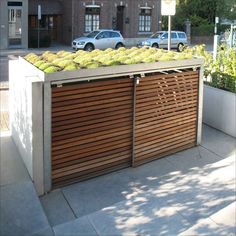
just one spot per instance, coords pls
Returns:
(26, 118)
(21, 113)
(219, 109)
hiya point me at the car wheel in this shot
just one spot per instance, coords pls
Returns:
(180, 47)
(89, 47)
(155, 45)
(119, 45)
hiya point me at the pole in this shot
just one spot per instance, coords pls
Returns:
(216, 40)
(38, 33)
(169, 33)
(231, 36)
(39, 18)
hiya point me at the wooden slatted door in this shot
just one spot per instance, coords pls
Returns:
(91, 129)
(166, 115)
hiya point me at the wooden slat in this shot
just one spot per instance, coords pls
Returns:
(165, 102)
(165, 147)
(87, 112)
(152, 134)
(162, 114)
(77, 95)
(158, 77)
(61, 120)
(88, 165)
(73, 159)
(157, 97)
(57, 145)
(87, 137)
(100, 83)
(171, 138)
(165, 122)
(92, 129)
(81, 153)
(84, 121)
(92, 123)
(168, 109)
(59, 182)
(164, 152)
(98, 108)
(170, 116)
(166, 115)
(171, 88)
(91, 99)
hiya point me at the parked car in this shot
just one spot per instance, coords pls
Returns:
(160, 40)
(99, 39)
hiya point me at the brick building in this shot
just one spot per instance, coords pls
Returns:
(63, 20)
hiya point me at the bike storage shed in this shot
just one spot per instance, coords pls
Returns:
(73, 125)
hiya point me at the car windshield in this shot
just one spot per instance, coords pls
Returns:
(157, 35)
(92, 34)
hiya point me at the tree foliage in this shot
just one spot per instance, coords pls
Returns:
(202, 12)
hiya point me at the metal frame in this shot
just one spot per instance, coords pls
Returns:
(134, 113)
(122, 70)
(200, 106)
(37, 137)
(47, 97)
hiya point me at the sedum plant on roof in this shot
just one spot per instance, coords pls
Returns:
(50, 62)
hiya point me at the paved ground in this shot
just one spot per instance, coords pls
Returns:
(4, 110)
(189, 193)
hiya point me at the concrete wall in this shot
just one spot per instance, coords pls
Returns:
(202, 39)
(4, 24)
(26, 110)
(219, 109)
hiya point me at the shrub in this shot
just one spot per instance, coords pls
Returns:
(222, 72)
(203, 30)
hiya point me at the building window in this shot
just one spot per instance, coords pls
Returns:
(12, 15)
(145, 20)
(92, 18)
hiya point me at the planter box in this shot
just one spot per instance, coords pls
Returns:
(219, 109)
(74, 125)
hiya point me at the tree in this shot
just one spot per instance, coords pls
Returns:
(202, 12)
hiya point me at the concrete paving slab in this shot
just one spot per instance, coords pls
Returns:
(223, 222)
(9, 228)
(218, 142)
(4, 100)
(78, 227)
(95, 194)
(21, 208)
(206, 227)
(44, 232)
(139, 216)
(12, 169)
(195, 209)
(56, 208)
(226, 218)
(193, 159)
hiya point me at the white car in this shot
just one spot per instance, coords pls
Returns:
(160, 40)
(99, 39)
